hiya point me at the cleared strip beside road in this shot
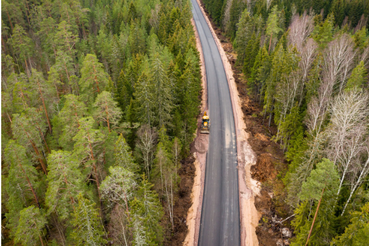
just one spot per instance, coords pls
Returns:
(220, 216)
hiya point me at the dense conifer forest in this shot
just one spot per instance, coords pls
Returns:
(99, 106)
(306, 63)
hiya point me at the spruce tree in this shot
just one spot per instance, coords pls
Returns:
(87, 227)
(357, 78)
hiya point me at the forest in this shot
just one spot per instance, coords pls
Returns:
(306, 63)
(99, 107)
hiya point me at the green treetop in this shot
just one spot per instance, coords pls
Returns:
(65, 182)
(30, 229)
(357, 78)
(106, 110)
(87, 226)
(93, 78)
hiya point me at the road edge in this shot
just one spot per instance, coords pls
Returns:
(248, 188)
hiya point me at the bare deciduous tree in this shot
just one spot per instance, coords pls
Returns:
(307, 54)
(300, 29)
(363, 170)
(147, 140)
(347, 132)
(338, 60)
(317, 108)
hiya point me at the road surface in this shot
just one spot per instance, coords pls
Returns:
(220, 216)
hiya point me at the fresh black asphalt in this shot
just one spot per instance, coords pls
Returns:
(220, 216)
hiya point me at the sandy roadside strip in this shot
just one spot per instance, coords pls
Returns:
(248, 187)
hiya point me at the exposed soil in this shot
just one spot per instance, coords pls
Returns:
(183, 200)
(270, 158)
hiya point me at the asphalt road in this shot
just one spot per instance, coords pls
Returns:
(220, 216)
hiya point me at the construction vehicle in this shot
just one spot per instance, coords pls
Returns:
(205, 124)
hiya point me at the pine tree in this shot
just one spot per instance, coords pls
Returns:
(321, 186)
(86, 222)
(65, 67)
(273, 27)
(30, 227)
(23, 95)
(45, 93)
(22, 45)
(88, 140)
(28, 129)
(106, 110)
(13, 15)
(93, 79)
(46, 34)
(21, 184)
(22, 181)
(70, 115)
(64, 184)
(65, 39)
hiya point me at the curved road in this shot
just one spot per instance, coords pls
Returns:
(220, 216)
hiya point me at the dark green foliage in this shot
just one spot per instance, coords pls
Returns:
(234, 15)
(357, 78)
(357, 232)
(81, 80)
(322, 184)
(88, 229)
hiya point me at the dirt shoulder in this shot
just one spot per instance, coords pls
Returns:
(269, 165)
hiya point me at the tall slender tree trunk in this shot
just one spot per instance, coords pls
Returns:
(11, 24)
(356, 185)
(270, 116)
(96, 174)
(316, 213)
(29, 183)
(27, 70)
(39, 157)
(107, 116)
(44, 105)
(96, 80)
(37, 151)
(42, 242)
(10, 119)
(270, 43)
